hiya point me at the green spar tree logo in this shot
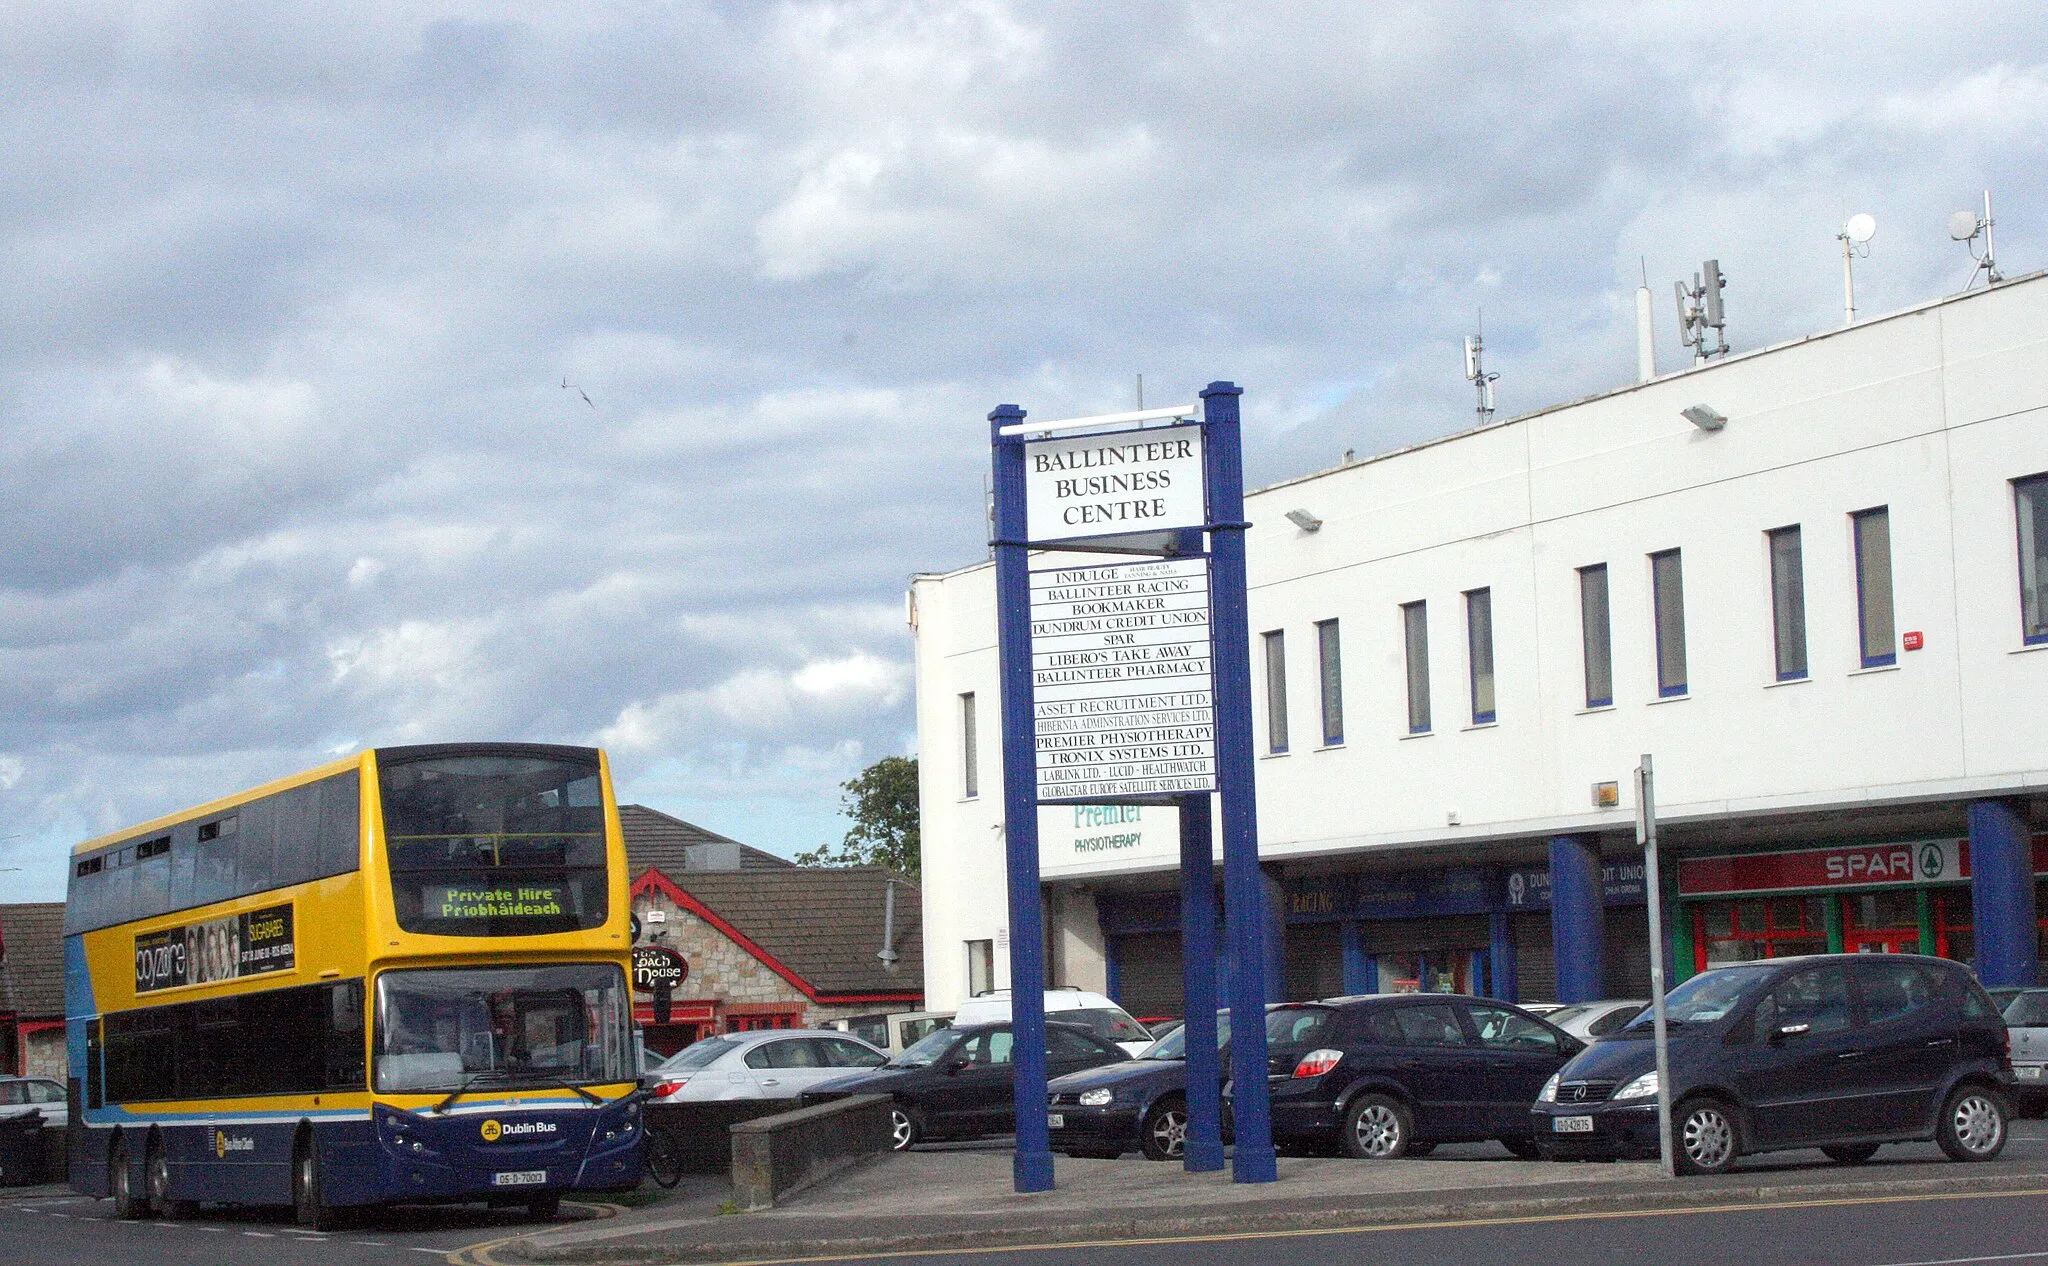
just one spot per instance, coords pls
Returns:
(1931, 862)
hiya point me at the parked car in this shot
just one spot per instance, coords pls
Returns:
(1587, 1021)
(1394, 1075)
(766, 1064)
(1142, 1104)
(1844, 1052)
(1542, 1008)
(1160, 1026)
(1093, 1011)
(38, 1094)
(959, 1083)
(2002, 995)
(896, 1031)
(2026, 1019)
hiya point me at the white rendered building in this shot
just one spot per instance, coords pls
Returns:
(1826, 619)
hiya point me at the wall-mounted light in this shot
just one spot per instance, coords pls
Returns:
(1304, 520)
(1704, 416)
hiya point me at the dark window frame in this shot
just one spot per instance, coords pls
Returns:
(1786, 549)
(970, 748)
(1667, 621)
(1478, 646)
(1600, 685)
(1876, 605)
(1415, 648)
(1274, 642)
(2030, 517)
(1330, 675)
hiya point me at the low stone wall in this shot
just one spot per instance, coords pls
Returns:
(775, 1156)
(703, 1130)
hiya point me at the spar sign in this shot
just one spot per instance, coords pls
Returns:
(1845, 866)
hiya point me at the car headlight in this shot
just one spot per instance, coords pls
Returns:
(1095, 1098)
(1641, 1088)
(1549, 1092)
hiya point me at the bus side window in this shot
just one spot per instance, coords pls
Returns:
(95, 1095)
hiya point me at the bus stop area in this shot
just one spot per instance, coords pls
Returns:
(962, 1197)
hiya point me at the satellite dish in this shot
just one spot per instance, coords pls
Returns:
(1962, 226)
(1862, 227)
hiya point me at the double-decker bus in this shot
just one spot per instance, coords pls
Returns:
(401, 976)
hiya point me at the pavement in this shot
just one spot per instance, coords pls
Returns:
(960, 1197)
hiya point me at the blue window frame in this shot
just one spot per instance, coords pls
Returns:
(1667, 597)
(1276, 692)
(1788, 602)
(1876, 630)
(1596, 630)
(1331, 663)
(1479, 652)
(1415, 633)
(2030, 499)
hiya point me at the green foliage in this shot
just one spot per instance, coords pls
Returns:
(883, 805)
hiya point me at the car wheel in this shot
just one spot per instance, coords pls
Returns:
(1164, 1135)
(128, 1203)
(1522, 1146)
(1972, 1125)
(1850, 1153)
(1377, 1127)
(906, 1127)
(1706, 1142)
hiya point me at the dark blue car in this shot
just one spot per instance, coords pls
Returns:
(1844, 1052)
(1142, 1104)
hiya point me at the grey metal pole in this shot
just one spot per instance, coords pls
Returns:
(1653, 892)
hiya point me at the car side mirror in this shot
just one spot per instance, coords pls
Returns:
(955, 1065)
(1791, 1030)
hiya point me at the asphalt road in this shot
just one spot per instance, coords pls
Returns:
(1947, 1231)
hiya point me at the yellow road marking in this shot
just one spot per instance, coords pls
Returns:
(1226, 1237)
(480, 1254)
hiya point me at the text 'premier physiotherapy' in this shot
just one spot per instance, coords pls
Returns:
(1136, 481)
(1120, 671)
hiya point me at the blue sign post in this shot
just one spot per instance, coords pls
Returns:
(1130, 683)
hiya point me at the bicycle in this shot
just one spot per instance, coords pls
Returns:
(662, 1155)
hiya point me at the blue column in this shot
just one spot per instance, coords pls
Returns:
(1032, 1166)
(1204, 1150)
(1243, 898)
(1500, 951)
(1276, 933)
(1578, 918)
(2002, 893)
(1359, 976)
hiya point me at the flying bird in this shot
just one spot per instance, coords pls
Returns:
(566, 385)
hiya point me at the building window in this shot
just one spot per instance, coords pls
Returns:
(1788, 602)
(1415, 630)
(1276, 691)
(1333, 682)
(981, 967)
(1667, 596)
(1479, 645)
(1872, 530)
(970, 755)
(1594, 630)
(2030, 498)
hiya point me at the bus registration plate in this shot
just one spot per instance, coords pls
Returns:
(520, 1178)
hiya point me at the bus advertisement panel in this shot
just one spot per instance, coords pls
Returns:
(398, 977)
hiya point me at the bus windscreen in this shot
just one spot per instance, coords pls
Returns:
(497, 845)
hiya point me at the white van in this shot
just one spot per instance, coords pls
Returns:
(894, 1032)
(1092, 1011)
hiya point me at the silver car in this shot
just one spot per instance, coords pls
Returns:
(37, 1094)
(1588, 1021)
(767, 1064)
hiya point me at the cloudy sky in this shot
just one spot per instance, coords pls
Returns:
(287, 466)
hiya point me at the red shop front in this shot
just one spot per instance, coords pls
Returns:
(1906, 896)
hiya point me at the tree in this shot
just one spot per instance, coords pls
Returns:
(883, 805)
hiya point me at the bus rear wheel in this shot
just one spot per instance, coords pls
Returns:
(309, 1199)
(157, 1177)
(544, 1207)
(128, 1203)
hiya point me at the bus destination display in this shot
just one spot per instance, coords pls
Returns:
(493, 901)
(253, 943)
(1121, 680)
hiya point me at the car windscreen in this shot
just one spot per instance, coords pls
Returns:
(2029, 1010)
(1111, 1024)
(1175, 1044)
(1704, 999)
(698, 1054)
(926, 1049)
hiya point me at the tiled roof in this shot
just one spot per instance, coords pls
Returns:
(823, 923)
(656, 840)
(32, 977)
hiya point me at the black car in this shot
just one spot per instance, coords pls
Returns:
(1142, 1104)
(1396, 1074)
(1844, 1052)
(958, 1083)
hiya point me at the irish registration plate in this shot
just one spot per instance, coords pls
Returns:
(1571, 1125)
(1055, 1121)
(520, 1178)
(2027, 1072)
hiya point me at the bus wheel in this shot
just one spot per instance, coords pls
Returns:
(544, 1207)
(309, 1199)
(121, 1183)
(157, 1178)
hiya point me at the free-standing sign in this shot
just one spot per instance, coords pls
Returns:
(1122, 697)
(1103, 485)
